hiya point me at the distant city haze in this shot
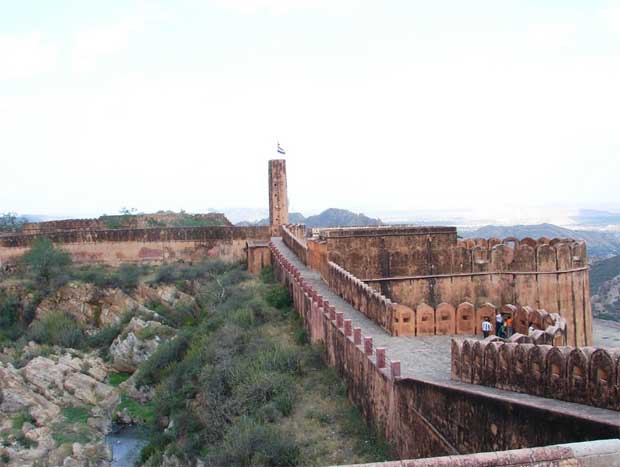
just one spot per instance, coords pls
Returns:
(504, 111)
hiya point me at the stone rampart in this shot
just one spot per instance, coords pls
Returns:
(142, 245)
(296, 244)
(584, 375)
(397, 320)
(445, 318)
(544, 274)
(423, 418)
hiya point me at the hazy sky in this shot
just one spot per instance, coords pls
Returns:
(379, 104)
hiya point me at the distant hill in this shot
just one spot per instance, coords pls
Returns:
(599, 243)
(593, 217)
(329, 218)
(605, 288)
(340, 218)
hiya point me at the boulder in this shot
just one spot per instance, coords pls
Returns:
(137, 343)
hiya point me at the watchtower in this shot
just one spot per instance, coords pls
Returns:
(278, 198)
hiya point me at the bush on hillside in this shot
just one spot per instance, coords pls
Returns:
(166, 354)
(278, 297)
(57, 328)
(47, 265)
(10, 324)
(251, 443)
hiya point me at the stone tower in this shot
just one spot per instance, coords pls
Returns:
(278, 198)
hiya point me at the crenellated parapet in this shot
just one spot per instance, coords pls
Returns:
(294, 242)
(444, 319)
(585, 375)
(396, 319)
(549, 274)
(511, 254)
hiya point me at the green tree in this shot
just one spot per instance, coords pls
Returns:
(11, 222)
(47, 264)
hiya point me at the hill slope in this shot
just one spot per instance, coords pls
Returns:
(605, 288)
(599, 243)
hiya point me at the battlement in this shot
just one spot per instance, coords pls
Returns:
(295, 243)
(381, 230)
(584, 375)
(115, 246)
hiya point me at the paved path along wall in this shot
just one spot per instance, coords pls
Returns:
(402, 384)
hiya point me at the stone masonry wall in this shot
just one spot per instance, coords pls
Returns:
(583, 375)
(544, 274)
(421, 418)
(445, 319)
(142, 245)
(378, 252)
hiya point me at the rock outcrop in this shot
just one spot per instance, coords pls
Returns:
(91, 306)
(137, 343)
(32, 404)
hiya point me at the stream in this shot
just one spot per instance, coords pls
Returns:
(126, 443)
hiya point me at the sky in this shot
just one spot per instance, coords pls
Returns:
(380, 105)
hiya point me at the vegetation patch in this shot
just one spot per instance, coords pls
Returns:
(144, 413)
(57, 328)
(236, 387)
(72, 427)
(116, 379)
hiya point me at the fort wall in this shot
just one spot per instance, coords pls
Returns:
(444, 319)
(415, 266)
(142, 245)
(296, 244)
(584, 375)
(423, 418)
(377, 252)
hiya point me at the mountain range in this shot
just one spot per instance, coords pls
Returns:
(329, 218)
(600, 244)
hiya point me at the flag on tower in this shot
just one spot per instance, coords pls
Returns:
(280, 150)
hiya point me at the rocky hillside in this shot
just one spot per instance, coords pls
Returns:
(605, 288)
(213, 363)
(600, 244)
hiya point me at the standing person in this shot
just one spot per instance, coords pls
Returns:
(486, 327)
(509, 330)
(499, 320)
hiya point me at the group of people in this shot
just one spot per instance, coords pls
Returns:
(503, 326)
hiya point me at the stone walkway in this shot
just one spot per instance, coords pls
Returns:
(428, 358)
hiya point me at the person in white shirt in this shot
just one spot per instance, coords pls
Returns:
(486, 327)
(499, 319)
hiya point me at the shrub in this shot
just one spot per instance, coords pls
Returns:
(251, 443)
(127, 277)
(47, 264)
(278, 297)
(243, 317)
(105, 336)
(263, 387)
(167, 353)
(57, 328)
(266, 275)
(301, 336)
(11, 327)
(166, 274)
